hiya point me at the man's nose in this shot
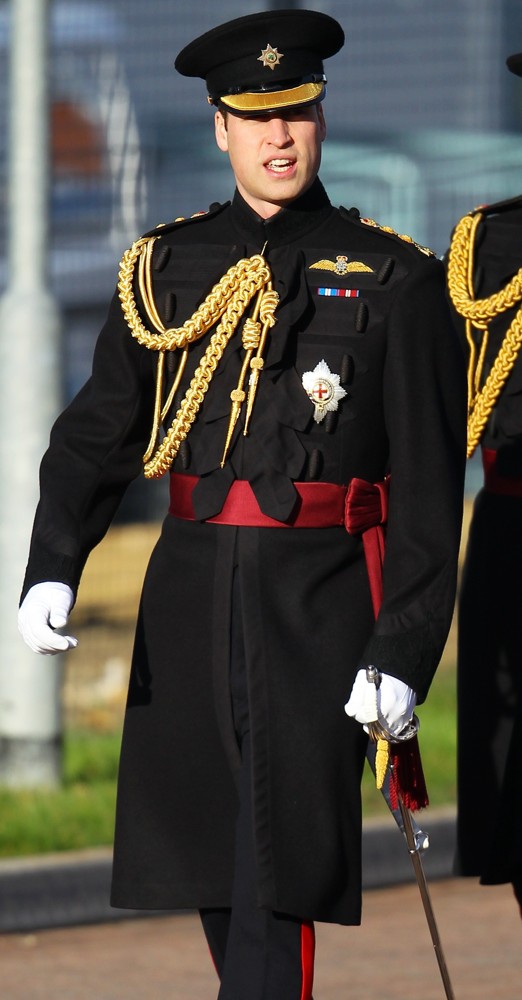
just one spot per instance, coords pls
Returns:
(278, 131)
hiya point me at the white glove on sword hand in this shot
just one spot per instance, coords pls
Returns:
(46, 607)
(392, 703)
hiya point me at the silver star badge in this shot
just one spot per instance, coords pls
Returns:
(270, 57)
(323, 387)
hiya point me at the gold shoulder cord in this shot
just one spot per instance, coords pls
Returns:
(227, 302)
(478, 314)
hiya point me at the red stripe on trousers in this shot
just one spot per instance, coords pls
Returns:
(307, 959)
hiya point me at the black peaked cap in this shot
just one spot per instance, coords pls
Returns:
(262, 53)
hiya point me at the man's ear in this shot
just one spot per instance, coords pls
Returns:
(322, 122)
(220, 128)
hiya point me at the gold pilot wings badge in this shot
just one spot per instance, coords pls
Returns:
(341, 265)
(324, 389)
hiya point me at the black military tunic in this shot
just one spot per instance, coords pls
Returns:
(372, 307)
(490, 639)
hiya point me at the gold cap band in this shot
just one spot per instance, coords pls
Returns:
(272, 100)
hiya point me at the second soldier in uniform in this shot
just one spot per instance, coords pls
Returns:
(485, 287)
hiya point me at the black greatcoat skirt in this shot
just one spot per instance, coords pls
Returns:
(371, 307)
(490, 694)
(307, 755)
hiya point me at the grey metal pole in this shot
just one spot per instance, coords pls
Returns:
(30, 722)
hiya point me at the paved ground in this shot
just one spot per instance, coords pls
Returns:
(390, 957)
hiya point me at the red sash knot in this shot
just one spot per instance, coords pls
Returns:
(366, 513)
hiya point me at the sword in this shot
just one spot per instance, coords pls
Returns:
(416, 840)
(425, 896)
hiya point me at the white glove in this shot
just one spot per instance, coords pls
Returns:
(392, 703)
(46, 607)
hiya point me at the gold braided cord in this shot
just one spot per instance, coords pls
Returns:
(195, 394)
(145, 284)
(247, 270)
(487, 398)
(175, 385)
(474, 367)
(156, 420)
(478, 313)
(227, 302)
(478, 310)
(251, 333)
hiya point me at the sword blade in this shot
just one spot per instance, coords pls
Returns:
(426, 900)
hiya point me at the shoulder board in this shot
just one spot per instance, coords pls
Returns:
(354, 215)
(498, 206)
(167, 227)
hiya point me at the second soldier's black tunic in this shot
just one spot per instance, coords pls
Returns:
(490, 638)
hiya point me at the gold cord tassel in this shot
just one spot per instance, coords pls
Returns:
(382, 760)
(251, 335)
(269, 303)
(254, 339)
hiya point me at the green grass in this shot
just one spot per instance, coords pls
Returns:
(81, 813)
(77, 815)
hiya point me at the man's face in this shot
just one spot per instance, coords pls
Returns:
(275, 158)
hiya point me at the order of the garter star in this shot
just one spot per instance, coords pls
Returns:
(324, 389)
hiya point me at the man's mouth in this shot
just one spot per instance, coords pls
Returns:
(280, 166)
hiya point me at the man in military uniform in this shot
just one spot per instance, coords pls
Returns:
(485, 287)
(289, 349)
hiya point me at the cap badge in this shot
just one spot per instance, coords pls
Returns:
(270, 57)
(324, 389)
(341, 265)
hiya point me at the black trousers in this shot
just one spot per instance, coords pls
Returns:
(258, 954)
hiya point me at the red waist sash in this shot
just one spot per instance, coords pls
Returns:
(361, 507)
(496, 483)
(319, 505)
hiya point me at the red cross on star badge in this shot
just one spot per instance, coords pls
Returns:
(324, 389)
